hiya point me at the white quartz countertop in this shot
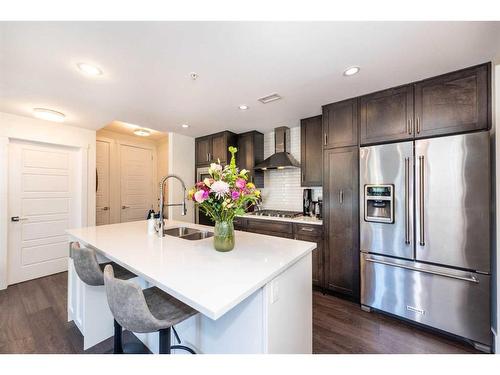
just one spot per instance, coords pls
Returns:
(298, 219)
(193, 271)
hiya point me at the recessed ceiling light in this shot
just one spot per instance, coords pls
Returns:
(88, 69)
(243, 107)
(141, 132)
(351, 71)
(48, 114)
(185, 126)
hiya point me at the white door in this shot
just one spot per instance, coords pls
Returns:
(136, 181)
(103, 179)
(42, 188)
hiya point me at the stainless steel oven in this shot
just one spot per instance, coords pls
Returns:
(200, 217)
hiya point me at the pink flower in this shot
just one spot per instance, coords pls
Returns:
(240, 183)
(235, 195)
(201, 196)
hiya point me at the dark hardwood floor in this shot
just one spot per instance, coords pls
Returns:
(33, 320)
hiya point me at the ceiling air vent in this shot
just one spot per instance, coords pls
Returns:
(269, 98)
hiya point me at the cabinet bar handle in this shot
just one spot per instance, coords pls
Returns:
(306, 229)
(341, 196)
(409, 126)
(417, 120)
(326, 139)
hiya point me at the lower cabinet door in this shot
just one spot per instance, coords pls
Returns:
(318, 257)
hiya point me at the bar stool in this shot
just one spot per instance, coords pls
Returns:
(144, 311)
(88, 268)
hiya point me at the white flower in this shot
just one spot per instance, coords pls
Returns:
(215, 168)
(220, 188)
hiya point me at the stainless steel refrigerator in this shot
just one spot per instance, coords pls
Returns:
(425, 232)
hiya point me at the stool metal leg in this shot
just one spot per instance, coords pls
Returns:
(118, 344)
(164, 341)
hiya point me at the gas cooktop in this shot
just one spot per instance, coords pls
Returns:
(277, 213)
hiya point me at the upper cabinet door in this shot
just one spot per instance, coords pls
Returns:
(219, 148)
(453, 103)
(311, 158)
(203, 150)
(387, 115)
(340, 124)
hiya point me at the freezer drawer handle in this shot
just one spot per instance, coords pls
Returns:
(471, 279)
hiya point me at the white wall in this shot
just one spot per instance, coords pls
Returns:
(181, 163)
(282, 190)
(34, 130)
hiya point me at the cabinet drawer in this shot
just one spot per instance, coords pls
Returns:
(239, 223)
(308, 230)
(269, 233)
(269, 226)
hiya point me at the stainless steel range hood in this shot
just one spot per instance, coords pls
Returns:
(281, 158)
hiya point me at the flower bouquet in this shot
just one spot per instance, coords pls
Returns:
(222, 196)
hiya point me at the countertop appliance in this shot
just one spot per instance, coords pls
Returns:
(425, 233)
(307, 203)
(277, 213)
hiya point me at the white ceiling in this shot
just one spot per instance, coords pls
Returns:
(147, 65)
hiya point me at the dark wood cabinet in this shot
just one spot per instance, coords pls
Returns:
(210, 148)
(453, 103)
(202, 150)
(311, 151)
(340, 124)
(340, 185)
(303, 232)
(250, 153)
(387, 115)
(313, 233)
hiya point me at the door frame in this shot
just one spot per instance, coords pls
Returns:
(84, 158)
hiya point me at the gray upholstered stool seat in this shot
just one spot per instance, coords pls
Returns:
(144, 311)
(88, 268)
(166, 308)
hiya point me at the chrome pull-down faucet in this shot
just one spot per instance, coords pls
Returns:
(160, 224)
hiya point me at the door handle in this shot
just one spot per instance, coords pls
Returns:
(17, 218)
(471, 279)
(124, 207)
(407, 201)
(421, 196)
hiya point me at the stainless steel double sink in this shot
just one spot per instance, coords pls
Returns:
(187, 233)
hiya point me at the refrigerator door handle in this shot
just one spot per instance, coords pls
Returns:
(421, 165)
(471, 279)
(407, 201)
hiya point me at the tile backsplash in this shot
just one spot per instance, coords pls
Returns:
(282, 190)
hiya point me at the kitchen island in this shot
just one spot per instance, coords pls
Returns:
(254, 299)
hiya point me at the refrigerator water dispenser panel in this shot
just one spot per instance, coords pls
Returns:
(379, 203)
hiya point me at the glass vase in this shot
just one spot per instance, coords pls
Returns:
(224, 236)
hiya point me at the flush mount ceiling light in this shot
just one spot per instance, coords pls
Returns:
(88, 69)
(185, 126)
(243, 107)
(141, 132)
(351, 71)
(48, 114)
